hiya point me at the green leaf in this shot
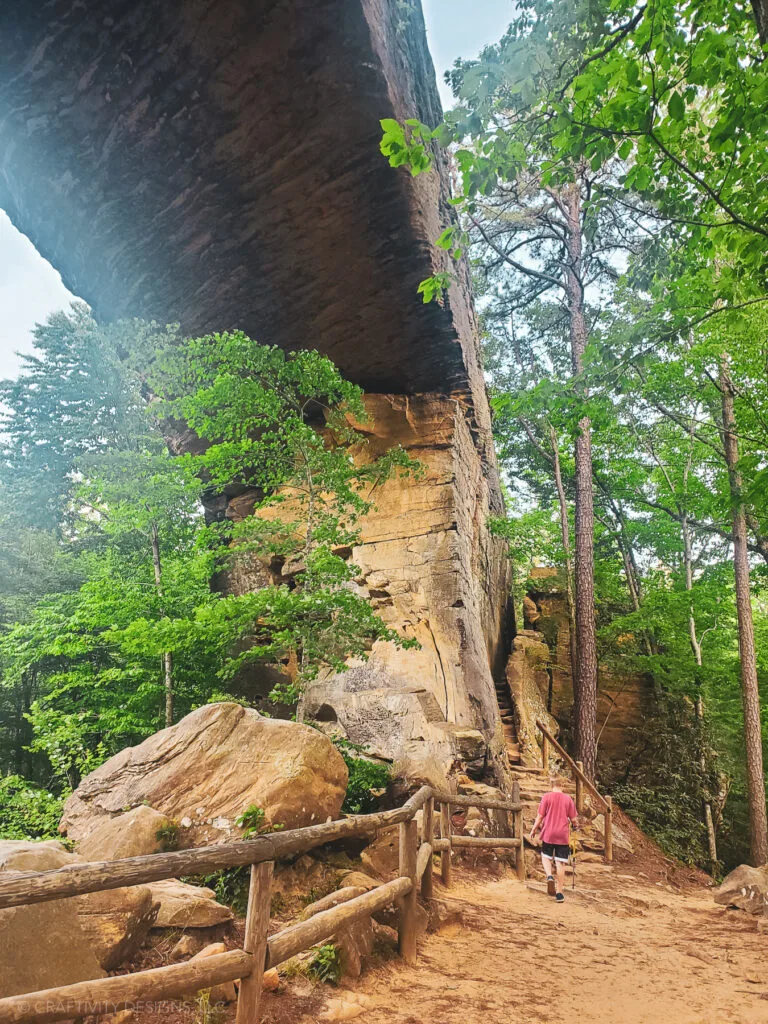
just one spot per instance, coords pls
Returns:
(676, 106)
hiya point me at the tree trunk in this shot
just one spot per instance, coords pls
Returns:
(760, 7)
(706, 803)
(565, 531)
(753, 745)
(585, 688)
(167, 657)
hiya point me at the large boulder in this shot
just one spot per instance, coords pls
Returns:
(746, 888)
(207, 769)
(45, 945)
(116, 922)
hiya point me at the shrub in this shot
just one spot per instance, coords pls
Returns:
(168, 836)
(326, 964)
(230, 885)
(367, 780)
(26, 811)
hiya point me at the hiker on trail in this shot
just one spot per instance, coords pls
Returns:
(556, 812)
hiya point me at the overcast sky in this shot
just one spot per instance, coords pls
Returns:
(30, 289)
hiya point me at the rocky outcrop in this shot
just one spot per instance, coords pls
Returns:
(624, 701)
(207, 769)
(58, 943)
(117, 921)
(432, 570)
(42, 945)
(528, 681)
(746, 888)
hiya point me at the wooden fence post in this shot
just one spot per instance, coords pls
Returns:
(406, 938)
(428, 833)
(518, 833)
(580, 789)
(608, 818)
(445, 833)
(255, 941)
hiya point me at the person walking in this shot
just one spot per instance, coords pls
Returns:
(556, 813)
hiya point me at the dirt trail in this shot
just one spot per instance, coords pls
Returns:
(620, 950)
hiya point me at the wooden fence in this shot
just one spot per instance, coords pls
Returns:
(260, 951)
(602, 804)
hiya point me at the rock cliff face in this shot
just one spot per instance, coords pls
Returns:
(216, 162)
(431, 569)
(623, 702)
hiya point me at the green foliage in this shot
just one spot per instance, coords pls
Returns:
(26, 811)
(252, 822)
(326, 965)
(641, 131)
(168, 836)
(231, 886)
(110, 612)
(367, 779)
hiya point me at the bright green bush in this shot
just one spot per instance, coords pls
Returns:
(26, 811)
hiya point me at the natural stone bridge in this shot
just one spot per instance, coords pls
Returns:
(216, 162)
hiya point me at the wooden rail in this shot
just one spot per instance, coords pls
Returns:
(603, 804)
(260, 951)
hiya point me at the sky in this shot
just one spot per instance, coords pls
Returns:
(30, 288)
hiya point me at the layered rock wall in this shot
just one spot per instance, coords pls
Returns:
(432, 570)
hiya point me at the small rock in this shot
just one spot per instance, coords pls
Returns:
(346, 1007)
(746, 888)
(188, 945)
(382, 856)
(443, 915)
(226, 992)
(270, 981)
(360, 880)
(120, 1017)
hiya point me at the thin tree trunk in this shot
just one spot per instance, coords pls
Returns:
(308, 546)
(167, 656)
(758, 821)
(585, 692)
(760, 8)
(709, 822)
(565, 532)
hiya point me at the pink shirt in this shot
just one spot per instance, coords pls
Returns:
(555, 810)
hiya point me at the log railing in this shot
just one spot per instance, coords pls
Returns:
(602, 804)
(260, 950)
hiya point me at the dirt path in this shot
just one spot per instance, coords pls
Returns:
(620, 950)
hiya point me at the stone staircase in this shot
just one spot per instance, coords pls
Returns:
(534, 782)
(506, 710)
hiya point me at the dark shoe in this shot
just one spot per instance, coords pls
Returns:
(560, 898)
(550, 886)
